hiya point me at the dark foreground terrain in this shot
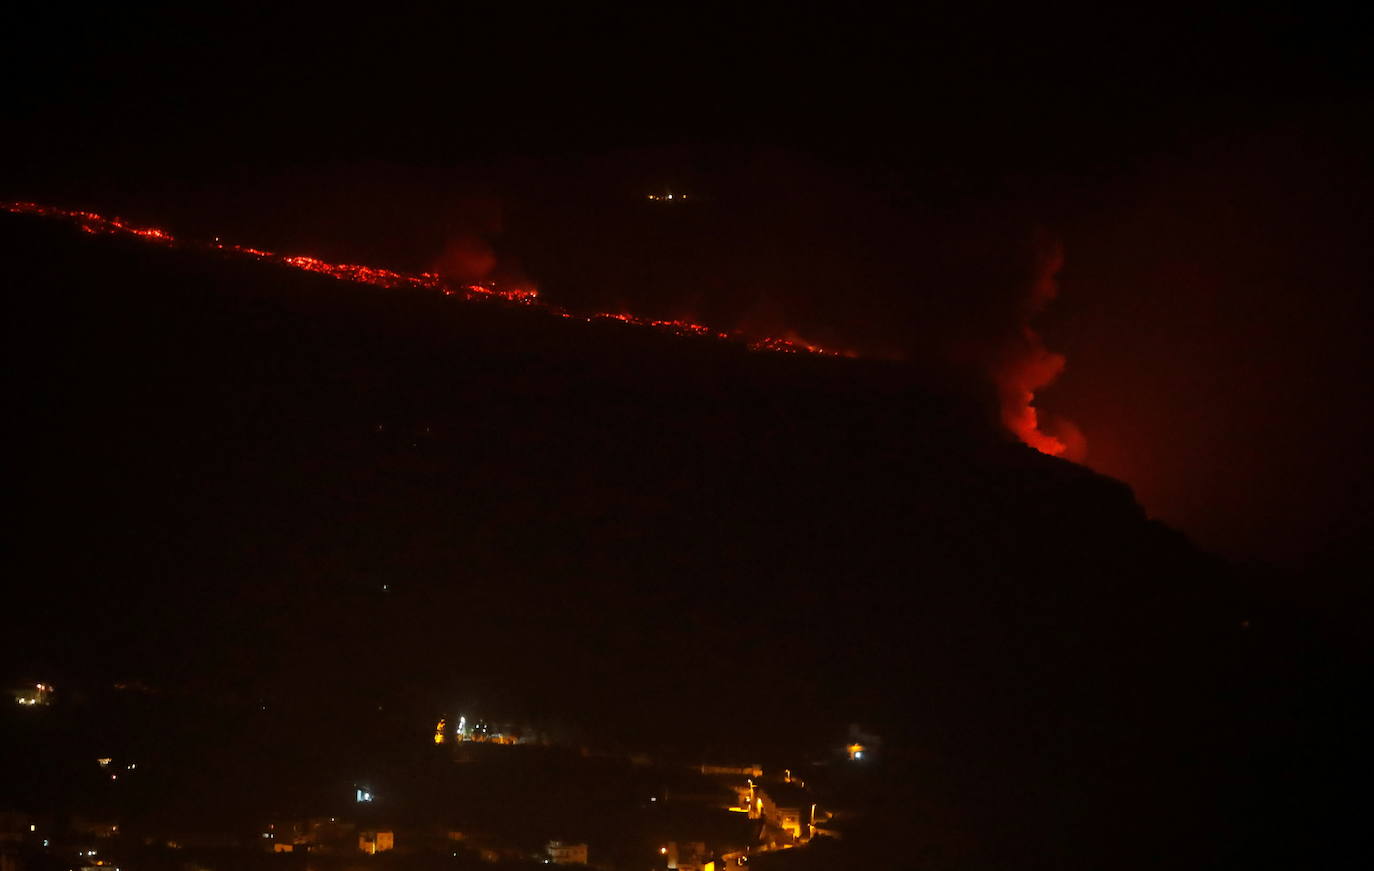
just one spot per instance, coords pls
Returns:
(304, 518)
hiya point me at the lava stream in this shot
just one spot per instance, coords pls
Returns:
(1021, 416)
(91, 222)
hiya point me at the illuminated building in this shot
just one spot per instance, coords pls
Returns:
(563, 853)
(786, 807)
(481, 732)
(744, 797)
(688, 856)
(315, 835)
(376, 842)
(754, 771)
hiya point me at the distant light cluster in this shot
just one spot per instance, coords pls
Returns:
(38, 694)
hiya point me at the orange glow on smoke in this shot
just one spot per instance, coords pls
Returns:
(1023, 420)
(1030, 366)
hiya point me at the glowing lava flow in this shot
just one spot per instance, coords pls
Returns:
(363, 274)
(90, 222)
(1018, 381)
(93, 223)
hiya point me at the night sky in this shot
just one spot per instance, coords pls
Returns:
(1205, 175)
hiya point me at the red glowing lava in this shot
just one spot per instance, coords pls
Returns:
(90, 222)
(364, 274)
(388, 278)
(1025, 371)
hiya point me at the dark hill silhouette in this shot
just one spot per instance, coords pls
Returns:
(257, 485)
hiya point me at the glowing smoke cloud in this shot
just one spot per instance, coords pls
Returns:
(1028, 366)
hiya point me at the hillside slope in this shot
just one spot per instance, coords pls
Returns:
(265, 485)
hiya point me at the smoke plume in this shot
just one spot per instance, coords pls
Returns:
(1025, 365)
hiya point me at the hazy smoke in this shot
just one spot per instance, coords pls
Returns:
(1025, 365)
(469, 226)
(466, 258)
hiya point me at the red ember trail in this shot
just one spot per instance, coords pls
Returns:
(93, 223)
(1021, 420)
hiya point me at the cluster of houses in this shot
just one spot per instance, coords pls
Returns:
(681, 817)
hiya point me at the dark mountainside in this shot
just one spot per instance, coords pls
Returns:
(268, 488)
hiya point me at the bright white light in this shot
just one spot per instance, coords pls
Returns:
(858, 754)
